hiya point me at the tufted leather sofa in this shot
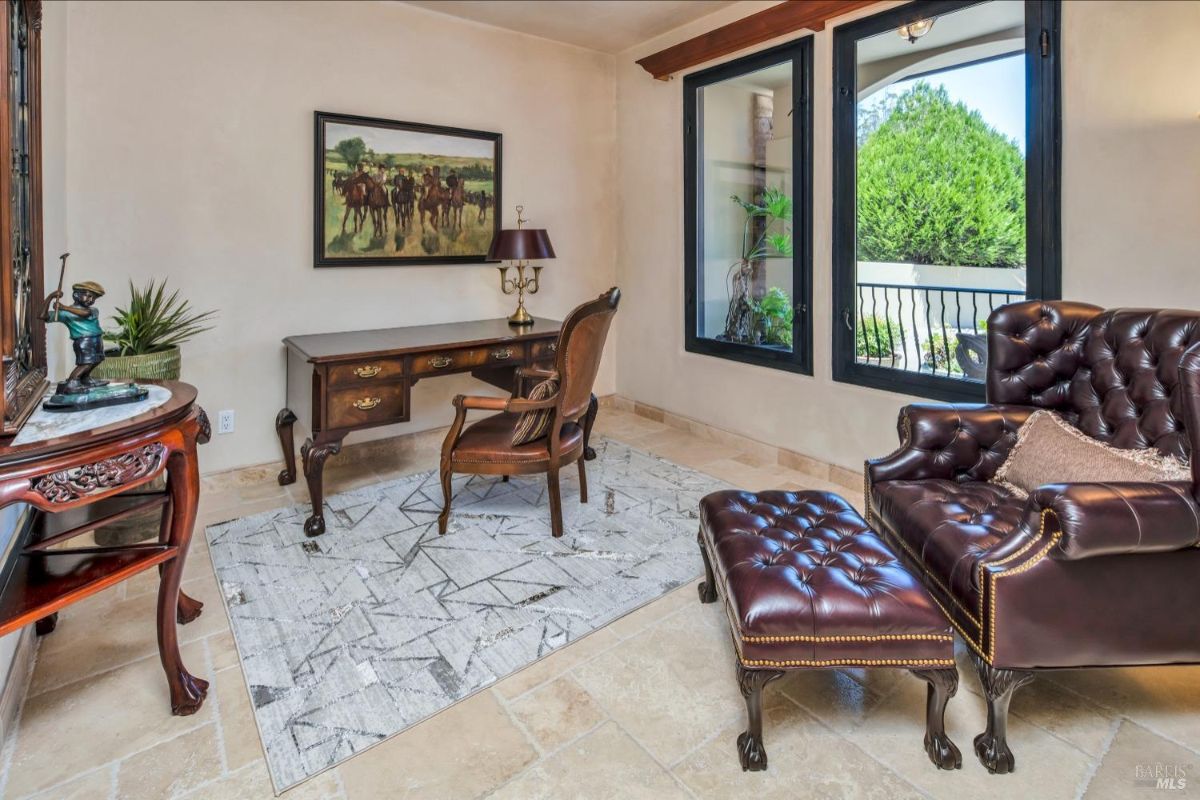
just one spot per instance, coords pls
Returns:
(1077, 575)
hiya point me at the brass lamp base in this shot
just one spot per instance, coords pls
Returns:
(520, 317)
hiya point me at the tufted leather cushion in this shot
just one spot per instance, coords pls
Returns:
(1128, 391)
(1034, 350)
(948, 526)
(807, 583)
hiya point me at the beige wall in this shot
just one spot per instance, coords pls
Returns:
(189, 153)
(188, 138)
(1131, 222)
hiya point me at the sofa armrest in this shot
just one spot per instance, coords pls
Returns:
(953, 442)
(1104, 519)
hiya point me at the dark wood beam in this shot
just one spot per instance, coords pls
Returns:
(768, 24)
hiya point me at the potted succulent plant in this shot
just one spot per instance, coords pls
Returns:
(148, 334)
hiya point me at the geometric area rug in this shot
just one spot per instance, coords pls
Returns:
(349, 638)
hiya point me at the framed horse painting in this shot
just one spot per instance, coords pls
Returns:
(390, 193)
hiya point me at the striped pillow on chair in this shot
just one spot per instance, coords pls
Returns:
(535, 424)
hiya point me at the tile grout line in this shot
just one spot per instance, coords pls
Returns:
(886, 767)
(1094, 767)
(508, 712)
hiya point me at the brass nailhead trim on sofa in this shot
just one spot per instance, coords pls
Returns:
(1030, 564)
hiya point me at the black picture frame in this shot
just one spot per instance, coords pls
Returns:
(1043, 168)
(799, 358)
(320, 256)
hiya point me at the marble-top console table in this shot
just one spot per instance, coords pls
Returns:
(80, 471)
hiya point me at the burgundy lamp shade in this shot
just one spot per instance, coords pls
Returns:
(524, 244)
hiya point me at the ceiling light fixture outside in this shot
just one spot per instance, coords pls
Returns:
(915, 30)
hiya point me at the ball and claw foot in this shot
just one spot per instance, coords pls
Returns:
(314, 525)
(194, 691)
(188, 609)
(943, 752)
(708, 592)
(751, 753)
(287, 477)
(589, 453)
(994, 754)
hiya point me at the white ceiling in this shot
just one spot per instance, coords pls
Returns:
(606, 25)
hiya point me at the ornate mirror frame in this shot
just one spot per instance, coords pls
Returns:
(22, 335)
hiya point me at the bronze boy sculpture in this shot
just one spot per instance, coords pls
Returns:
(80, 390)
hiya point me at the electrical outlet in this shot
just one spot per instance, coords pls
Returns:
(225, 421)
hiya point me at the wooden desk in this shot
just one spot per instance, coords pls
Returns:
(79, 481)
(343, 382)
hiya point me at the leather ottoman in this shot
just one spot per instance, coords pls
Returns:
(807, 584)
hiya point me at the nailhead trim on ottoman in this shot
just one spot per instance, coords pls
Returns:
(807, 584)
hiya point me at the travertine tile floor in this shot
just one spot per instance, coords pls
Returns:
(646, 707)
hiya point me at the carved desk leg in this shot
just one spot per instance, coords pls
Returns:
(708, 588)
(589, 419)
(183, 482)
(314, 454)
(943, 683)
(284, 421)
(991, 746)
(750, 743)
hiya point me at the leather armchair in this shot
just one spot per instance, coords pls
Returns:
(1075, 575)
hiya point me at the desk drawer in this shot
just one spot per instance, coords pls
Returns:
(458, 360)
(545, 350)
(366, 373)
(376, 404)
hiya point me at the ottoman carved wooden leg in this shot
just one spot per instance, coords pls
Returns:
(750, 743)
(991, 746)
(943, 684)
(708, 588)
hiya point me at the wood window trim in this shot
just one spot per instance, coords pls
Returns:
(747, 32)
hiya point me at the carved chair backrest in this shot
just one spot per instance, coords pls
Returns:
(580, 347)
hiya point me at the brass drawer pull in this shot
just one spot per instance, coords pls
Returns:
(440, 362)
(367, 403)
(500, 355)
(368, 372)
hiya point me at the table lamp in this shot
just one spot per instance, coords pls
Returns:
(520, 245)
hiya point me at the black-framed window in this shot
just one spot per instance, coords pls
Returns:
(946, 145)
(748, 208)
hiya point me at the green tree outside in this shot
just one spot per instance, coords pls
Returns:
(938, 185)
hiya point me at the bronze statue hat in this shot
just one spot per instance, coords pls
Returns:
(89, 286)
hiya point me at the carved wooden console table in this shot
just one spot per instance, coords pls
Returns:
(79, 481)
(343, 382)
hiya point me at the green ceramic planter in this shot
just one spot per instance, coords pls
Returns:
(159, 366)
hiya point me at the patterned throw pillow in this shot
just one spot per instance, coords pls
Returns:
(535, 424)
(1051, 450)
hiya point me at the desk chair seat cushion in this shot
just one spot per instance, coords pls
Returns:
(490, 441)
(533, 425)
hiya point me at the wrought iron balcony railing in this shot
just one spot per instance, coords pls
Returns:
(935, 330)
